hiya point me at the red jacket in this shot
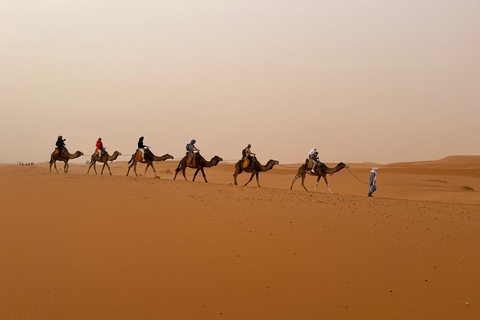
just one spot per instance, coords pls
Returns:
(99, 145)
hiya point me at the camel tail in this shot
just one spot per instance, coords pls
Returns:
(130, 160)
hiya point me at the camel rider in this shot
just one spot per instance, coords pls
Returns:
(60, 145)
(313, 159)
(247, 154)
(100, 148)
(141, 147)
(191, 149)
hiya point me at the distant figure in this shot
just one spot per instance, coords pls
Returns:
(191, 149)
(100, 148)
(60, 145)
(373, 181)
(313, 159)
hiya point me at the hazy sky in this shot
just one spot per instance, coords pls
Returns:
(379, 81)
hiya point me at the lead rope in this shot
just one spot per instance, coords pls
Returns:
(356, 177)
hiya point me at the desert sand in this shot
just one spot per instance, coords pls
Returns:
(77, 246)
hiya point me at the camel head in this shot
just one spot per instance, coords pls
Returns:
(274, 162)
(217, 159)
(78, 154)
(169, 156)
(342, 165)
(117, 153)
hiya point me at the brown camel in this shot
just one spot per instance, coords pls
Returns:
(65, 156)
(253, 169)
(321, 170)
(105, 158)
(149, 158)
(200, 163)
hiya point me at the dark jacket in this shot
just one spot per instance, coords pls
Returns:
(60, 143)
(140, 144)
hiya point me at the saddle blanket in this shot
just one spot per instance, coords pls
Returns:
(139, 156)
(189, 161)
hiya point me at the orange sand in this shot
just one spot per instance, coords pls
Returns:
(114, 247)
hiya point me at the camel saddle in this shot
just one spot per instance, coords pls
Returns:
(58, 152)
(189, 160)
(246, 163)
(309, 163)
(139, 156)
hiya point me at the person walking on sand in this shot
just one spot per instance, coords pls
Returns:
(372, 181)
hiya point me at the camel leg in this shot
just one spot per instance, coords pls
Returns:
(145, 174)
(180, 168)
(235, 174)
(65, 167)
(53, 162)
(328, 186)
(251, 177)
(130, 166)
(196, 172)
(316, 184)
(293, 181)
(303, 182)
(90, 166)
(235, 178)
(154, 171)
(55, 165)
(135, 169)
(108, 168)
(103, 168)
(204, 177)
(258, 182)
(106, 164)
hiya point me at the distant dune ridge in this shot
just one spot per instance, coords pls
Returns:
(463, 161)
(77, 246)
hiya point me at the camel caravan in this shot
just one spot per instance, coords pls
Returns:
(194, 160)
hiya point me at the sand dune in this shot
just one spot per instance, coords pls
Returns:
(114, 247)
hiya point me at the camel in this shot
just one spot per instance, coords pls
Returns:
(200, 163)
(257, 168)
(105, 158)
(321, 170)
(65, 156)
(149, 158)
